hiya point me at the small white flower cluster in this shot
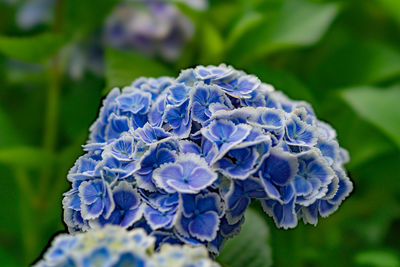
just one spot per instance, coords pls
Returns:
(115, 246)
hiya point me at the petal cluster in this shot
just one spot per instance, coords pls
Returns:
(184, 157)
(115, 246)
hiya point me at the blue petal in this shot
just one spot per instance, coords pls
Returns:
(279, 167)
(189, 174)
(157, 219)
(125, 197)
(209, 202)
(301, 186)
(205, 226)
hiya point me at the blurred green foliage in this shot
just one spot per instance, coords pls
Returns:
(342, 56)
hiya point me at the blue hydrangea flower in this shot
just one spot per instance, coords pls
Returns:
(225, 135)
(206, 150)
(128, 208)
(179, 118)
(239, 196)
(203, 97)
(183, 158)
(114, 246)
(34, 12)
(154, 28)
(136, 102)
(242, 87)
(152, 160)
(299, 133)
(200, 216)
(238, 163)
(188, 174)
(96, 199)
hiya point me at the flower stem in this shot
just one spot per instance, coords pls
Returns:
(27, 225)
(52, 105)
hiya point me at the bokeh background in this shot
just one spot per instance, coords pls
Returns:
(58, 58)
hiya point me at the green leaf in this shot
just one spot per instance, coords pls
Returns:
(247, 21)
(83, 95)
(8, 134)
(357, 62)
(83, 16)
(8, 260)
(211, 46)
(377, 258)
(32, 49)
(299, 23)
(392, 7)
(282, 81)
(251, 247)
(124, 67)
(351, 128)
(24, 156)
(377, 106)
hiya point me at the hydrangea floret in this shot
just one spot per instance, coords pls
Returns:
(183, 158)
(117, 247)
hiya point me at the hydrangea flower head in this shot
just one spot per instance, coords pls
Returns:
(183, 158)
(115, 246)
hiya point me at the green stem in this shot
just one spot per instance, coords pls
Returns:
(51, 121)
(24, 185)
(52, 105)
(27, 225)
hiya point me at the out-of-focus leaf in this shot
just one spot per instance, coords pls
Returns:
(21, 73)
(251, 247)
(377, 106)
(299, 23)
(282, 81)
(355, 63)
(84, 16)
(229, 9)
(24, 156)
(211, 45)
(8, 135)
(32, 49)
(373, 145)
(7, 260)
(123, 67)
(392, 7)
(247, 21)
(377, 258)
(10, 227)
(83, 95)
(351, 129)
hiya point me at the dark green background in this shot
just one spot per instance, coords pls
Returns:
(342, 56)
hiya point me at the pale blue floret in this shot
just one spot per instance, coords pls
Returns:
(179, 118)
(188, 174)
(200, 216)
(238, 163)
(298, 133)
(203, 97)
(128, 207)
(150, 135)
(239, 196)
(206, 150)
(152, 160)
(225, 135)
(135, 102)
(96, 199)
